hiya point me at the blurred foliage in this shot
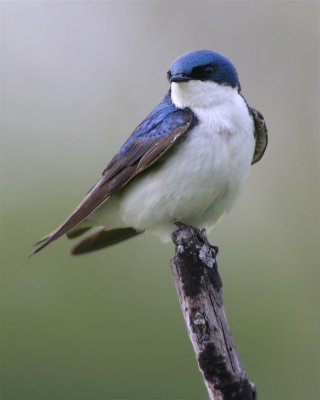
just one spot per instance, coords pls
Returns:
(76, 78)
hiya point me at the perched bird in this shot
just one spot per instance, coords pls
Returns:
(187, 161)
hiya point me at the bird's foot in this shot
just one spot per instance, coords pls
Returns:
(207, 253)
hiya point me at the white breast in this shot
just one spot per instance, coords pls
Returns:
(202, 178)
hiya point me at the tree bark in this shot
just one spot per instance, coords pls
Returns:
(198, 285)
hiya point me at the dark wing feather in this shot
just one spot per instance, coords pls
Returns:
(140, 151)
(260, 133)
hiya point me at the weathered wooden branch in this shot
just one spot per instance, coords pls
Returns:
(198, 285)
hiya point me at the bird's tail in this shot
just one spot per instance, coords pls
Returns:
(98, 239)
(101, 239)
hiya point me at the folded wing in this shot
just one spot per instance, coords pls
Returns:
(260, 133)
(151, 139)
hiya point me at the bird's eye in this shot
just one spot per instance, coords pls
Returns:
(208, 70)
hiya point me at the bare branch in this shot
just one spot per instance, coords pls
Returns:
(198, 285)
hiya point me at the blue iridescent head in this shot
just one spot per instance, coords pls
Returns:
(203, 65)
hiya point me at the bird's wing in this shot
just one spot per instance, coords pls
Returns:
(151, 139)
(260, 134)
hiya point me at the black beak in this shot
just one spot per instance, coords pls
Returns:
(180, 78)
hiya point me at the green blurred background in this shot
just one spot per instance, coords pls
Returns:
(108, 325)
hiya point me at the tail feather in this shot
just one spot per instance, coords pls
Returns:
(101, 239)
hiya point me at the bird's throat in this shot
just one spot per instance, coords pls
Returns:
(203, 94)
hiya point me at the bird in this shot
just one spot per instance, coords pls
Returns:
(186, 162)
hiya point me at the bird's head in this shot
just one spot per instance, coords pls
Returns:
(201, 78)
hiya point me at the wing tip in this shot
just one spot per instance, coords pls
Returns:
(41, 244)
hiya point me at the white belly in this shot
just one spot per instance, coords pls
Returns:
(196, 184)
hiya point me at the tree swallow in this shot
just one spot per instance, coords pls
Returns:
(186, 162)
